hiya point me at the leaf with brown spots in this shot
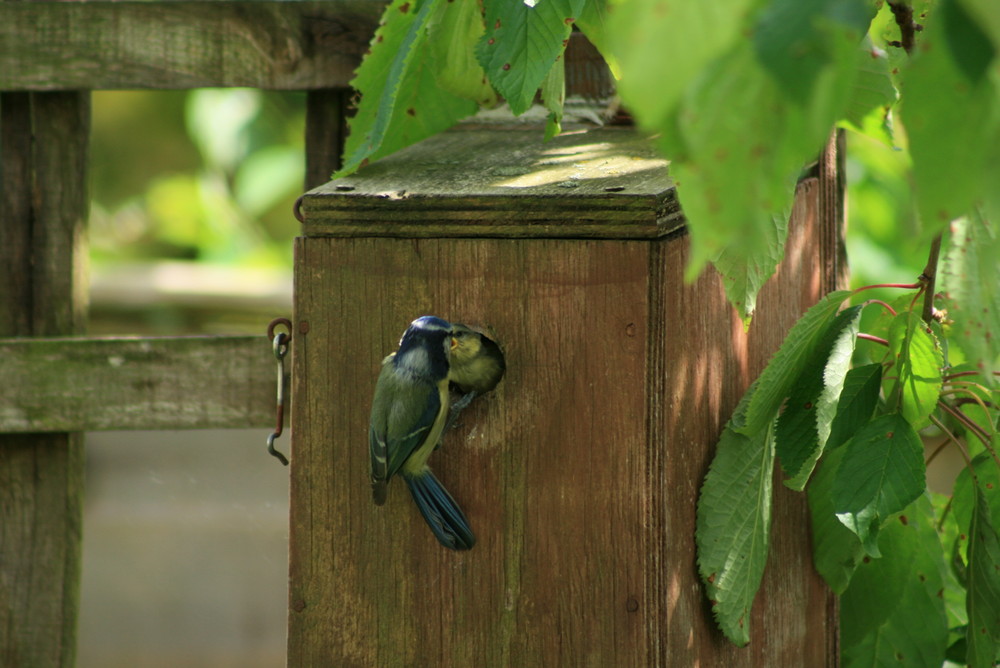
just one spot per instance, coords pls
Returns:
(522, 44)
(401, 102)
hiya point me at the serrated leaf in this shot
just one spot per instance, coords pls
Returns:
(918, 367)
(733, 527)
(398, 89)
(522, 43)
(952, 120)
(882, 472)
(804, 424)
(452, 34)
(836, 550)
(745, 273)
(858, 400)
(970, 281)
(983, 598)
(777, 379)
(892, 613)
(838, 365)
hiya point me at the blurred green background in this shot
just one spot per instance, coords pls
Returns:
(191, 222)
(205, 175)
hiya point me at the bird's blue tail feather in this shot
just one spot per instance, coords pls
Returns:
(442, 514)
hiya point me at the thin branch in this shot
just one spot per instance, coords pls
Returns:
(903, 13)
(883, 305)
(944, 513)
(872, 337)
(904, 286)
(968, 396)
(951, 437)
(960, 374)
(928, 278)
(971, 426)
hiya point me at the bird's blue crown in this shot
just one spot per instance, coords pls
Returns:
(422, 349)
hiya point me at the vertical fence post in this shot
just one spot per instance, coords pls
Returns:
(326, 129)
(44, 140)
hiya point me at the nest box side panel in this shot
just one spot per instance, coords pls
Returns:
(550, 468)
(702, 362)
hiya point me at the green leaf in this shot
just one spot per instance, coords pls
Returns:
(733, 527)
(970, 46)
(737, 149)
(918, 367)
(969, 280)
(553, 96)
(836, 550)
(954, 590)
(452, 34)
(983, 599)
(892, 613)
(882, 473)
(744, 274)
(593, 23)
(858, 400)
(522, 43)
(952, 120)
(786, 365)
(873, 86)
(804, 425)
(794, 39)
(401, 102)
(964, 499)
(653, 37)
(736, 140)
(986, 15)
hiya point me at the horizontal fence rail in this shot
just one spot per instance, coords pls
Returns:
(92, 384)
(177, 45)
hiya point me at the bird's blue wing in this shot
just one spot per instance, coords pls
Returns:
(410, 422)
(403, 414)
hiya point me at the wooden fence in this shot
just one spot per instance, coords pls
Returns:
(51, 56)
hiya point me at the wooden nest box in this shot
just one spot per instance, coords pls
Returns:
(580, 472)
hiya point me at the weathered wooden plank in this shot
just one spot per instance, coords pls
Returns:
(550, 468)
(89, 384)
(462, 184)
(43, 208)
(173, 45)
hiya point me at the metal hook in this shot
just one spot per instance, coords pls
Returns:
(279, 344)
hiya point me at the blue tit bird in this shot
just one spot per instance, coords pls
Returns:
(408, 416)
(476, 366)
